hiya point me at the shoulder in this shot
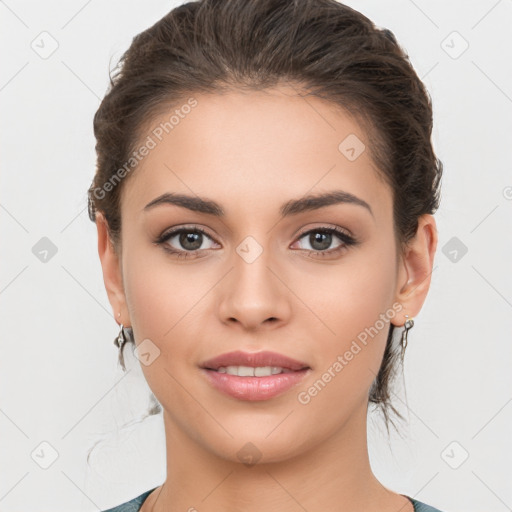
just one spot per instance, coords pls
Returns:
(133, 505)
(422, 507)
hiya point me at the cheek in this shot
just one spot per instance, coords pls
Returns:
(353, 303)
(343, 300)
(164, 303)
(167, 304)
(348, 361)
(150, 305)
(159, 292)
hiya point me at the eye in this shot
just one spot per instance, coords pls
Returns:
(322, 238)
(188, 241)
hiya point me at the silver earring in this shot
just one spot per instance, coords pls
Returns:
(409, 323)
(125, 335)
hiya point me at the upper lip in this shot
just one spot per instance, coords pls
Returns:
(253, 359)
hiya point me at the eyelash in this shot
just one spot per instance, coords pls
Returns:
(347, 240)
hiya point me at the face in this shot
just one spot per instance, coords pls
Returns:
(266, 275)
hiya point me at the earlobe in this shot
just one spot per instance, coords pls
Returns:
(111, 268)
(416, 269)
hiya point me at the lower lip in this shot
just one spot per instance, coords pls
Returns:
(254, 388)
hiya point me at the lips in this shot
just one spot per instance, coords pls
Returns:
(230, 374)
(254, 359)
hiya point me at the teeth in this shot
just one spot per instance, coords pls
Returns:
(249, 371)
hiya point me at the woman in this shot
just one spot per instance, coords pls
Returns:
(263, 199)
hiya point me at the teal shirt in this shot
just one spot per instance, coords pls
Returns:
(135, 504)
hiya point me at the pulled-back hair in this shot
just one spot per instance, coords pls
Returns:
(320, 47)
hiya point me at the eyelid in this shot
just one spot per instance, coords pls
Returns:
(343, 234)
(176, 230)
(304, 231)
(325, 227)
(346, 239)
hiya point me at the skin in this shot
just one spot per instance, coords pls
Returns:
(251, 152)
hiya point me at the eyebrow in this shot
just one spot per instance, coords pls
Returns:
(292, 207)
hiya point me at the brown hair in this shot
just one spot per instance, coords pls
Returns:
(321, 47)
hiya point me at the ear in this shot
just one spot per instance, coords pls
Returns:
(112, 274)
(415, 269)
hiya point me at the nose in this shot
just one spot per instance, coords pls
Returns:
(253, 295)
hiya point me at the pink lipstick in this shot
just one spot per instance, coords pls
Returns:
(254, 375)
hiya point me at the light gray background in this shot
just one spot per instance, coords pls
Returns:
(60, 383)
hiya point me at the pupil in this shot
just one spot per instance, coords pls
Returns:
(325, 243)
(323, 240)
(194, 238)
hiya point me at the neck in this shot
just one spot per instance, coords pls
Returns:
(335, 475)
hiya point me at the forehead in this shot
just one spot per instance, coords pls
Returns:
(254, 148)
